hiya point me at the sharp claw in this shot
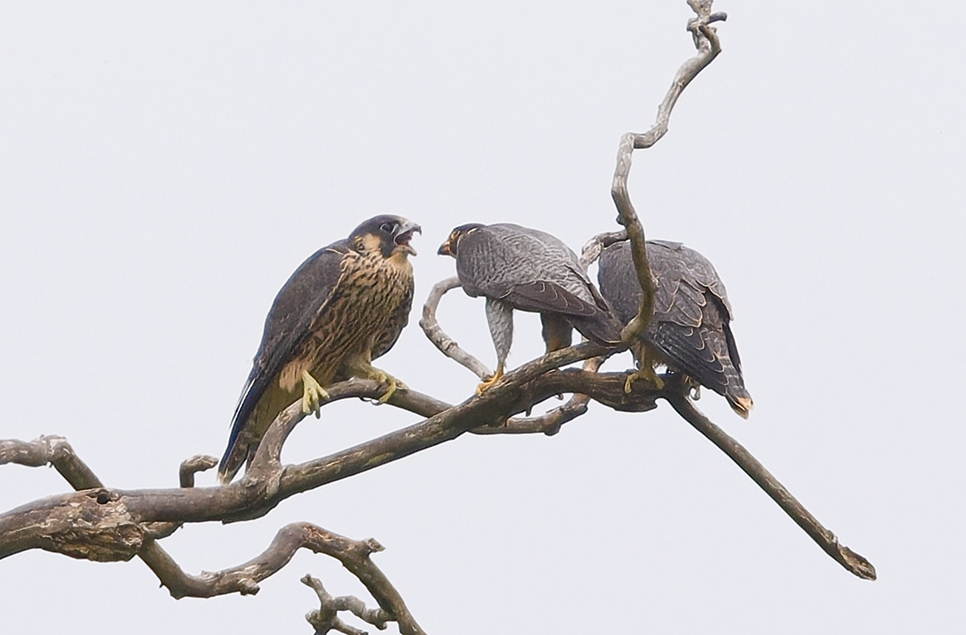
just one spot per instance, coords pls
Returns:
(383, 378)
(487, 384)
(313, 395)
(363, 370)
(629, 382)
(393, 384)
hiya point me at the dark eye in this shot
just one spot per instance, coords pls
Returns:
(387, 227)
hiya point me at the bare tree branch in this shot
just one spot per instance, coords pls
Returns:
(327, 617)
(853, 562)
(441, 340)
(593, 247)
(244, 579)
(706, 41)
(50, 450)
(77, 531)
(105, 524)
(551, 422)
(26, 527)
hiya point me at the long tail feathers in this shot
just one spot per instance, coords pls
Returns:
(601, 327)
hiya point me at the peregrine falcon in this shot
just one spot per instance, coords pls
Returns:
(343, 307)
(690, 330)
(515, 267)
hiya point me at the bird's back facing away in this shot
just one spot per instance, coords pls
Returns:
(690, 330)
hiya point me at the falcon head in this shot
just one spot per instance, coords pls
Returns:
(450, 247)
(389, 235)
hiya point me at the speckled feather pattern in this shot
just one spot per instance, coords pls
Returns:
(346, 302)
(363, 316)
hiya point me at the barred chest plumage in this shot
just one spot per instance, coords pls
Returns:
(382, 289)
(363, 318)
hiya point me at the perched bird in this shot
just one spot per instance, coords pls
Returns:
(343, 307)
(515, 267)
(690, 330)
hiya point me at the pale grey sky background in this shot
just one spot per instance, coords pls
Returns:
(163, 170)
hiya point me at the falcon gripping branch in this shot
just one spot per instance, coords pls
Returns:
(515, 267)
(690, 330)
(342, 308)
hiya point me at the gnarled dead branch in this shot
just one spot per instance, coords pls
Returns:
(327, 619)
(100, 523)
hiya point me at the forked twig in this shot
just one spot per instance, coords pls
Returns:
(326, 618)
(99, 523)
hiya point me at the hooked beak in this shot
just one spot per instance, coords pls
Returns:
(403, 234)
(446, 248)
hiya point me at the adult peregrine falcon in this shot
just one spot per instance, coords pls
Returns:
(690, 330)
(343, 307)
(515, 267)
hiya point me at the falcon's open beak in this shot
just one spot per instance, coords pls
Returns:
(403, 234)
(446, 248)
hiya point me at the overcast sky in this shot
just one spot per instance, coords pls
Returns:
(163, 171)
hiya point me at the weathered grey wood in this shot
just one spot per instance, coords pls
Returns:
(104, 524)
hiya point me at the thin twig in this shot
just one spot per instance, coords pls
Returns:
(190, 467)
(706, 41)
(593, 247)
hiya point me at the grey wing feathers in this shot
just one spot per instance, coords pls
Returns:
(684, 269)
(541, 296)
(533, 271)
(288, 321)
(701, 352)
(691, 322)
(495, 258)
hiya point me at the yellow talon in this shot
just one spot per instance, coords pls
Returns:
(392, 382)
(487, 384)
(313, 394)
(646, 373)
(364, 370)
(629, 382)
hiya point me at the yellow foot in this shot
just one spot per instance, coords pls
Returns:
(313, 394)
(647, 373)
(388, 380)
(363, 370)
(495, 377)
